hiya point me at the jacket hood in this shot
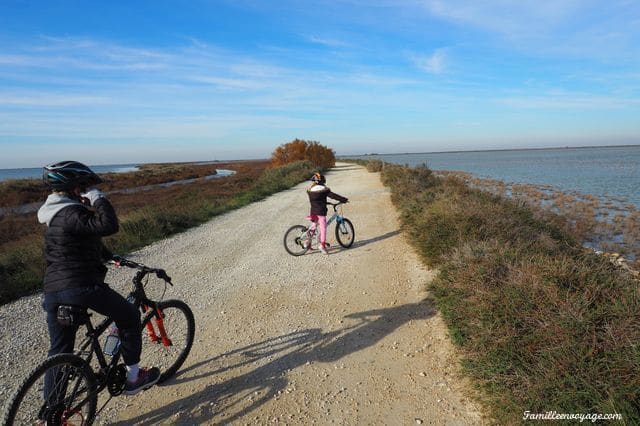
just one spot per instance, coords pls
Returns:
(53, 204)
(318, 188)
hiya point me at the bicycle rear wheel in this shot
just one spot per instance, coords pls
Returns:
(59, 391)
(167, 337)
(345, 234)
(296, 240)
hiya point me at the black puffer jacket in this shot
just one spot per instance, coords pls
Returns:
(73, 250)
(318, 199)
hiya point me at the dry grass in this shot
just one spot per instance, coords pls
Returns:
(604, 224)
(544, 324)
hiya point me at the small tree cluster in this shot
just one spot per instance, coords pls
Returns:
(319, 155)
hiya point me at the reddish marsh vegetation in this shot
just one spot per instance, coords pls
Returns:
(22, 191)
(604, 224)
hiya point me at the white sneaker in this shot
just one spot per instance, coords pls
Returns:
(323, 249)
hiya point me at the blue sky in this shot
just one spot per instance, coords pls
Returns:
(142, 81)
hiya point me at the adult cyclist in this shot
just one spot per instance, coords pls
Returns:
(76, 218)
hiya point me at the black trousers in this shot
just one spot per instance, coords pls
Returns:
(102, 299)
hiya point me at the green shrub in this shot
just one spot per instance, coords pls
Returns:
(21, 271)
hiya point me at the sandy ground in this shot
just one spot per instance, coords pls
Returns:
(349, 338)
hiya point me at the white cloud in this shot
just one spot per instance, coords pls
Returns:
(567, 101)
(15, 60)
(517, 17)
(230, 83)
(369, 79)
(436, 63)
(328, 42)
(44, 99)
(580, 28)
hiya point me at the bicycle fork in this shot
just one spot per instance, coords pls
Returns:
(159, 320)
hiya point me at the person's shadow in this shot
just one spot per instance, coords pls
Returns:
(238, 396)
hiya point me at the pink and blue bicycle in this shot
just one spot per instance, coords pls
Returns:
(300, 238)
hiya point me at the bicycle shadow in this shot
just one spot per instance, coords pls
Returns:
(236, 397)
(335, 247)
(360, 243)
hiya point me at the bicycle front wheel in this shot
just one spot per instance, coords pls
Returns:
(167, 337)
(296, 240)
(59, 391)
(345, 234)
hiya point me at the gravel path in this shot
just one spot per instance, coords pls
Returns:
(349, 338)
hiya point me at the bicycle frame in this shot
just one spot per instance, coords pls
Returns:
(64, 388)
(91, 341)
(312, 234)
(91, 344)
(335, 216)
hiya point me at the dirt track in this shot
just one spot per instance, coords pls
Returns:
(349, 338)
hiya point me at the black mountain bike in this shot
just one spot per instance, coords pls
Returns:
(63, 389)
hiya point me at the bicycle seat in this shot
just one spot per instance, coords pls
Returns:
(68, 315)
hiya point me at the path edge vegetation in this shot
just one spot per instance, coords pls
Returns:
(542, 323)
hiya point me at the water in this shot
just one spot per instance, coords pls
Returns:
(36, 172)
(219, 174)
(32, 207)
(607, 172)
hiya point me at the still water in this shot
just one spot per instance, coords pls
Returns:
(609, 172)
(36, 172)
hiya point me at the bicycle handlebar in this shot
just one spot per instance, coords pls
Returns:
(160, 273)
(334, 205)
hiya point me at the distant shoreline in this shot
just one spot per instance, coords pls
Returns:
(558, 148)
(152, 163)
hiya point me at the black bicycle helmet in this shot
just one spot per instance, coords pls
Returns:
(318, 178)
(66, 175)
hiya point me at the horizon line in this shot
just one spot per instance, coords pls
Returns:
(494, 150)
(338, 156)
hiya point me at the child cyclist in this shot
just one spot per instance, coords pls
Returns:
(318, 193)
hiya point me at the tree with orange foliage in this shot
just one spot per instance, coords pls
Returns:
(298, 149)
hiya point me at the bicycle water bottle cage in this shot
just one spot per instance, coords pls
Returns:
(69, 315)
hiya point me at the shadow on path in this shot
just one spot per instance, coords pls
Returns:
(238, 396)
(359, 243)
(335, 247)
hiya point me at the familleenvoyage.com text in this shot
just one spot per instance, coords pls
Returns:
(581, 417)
